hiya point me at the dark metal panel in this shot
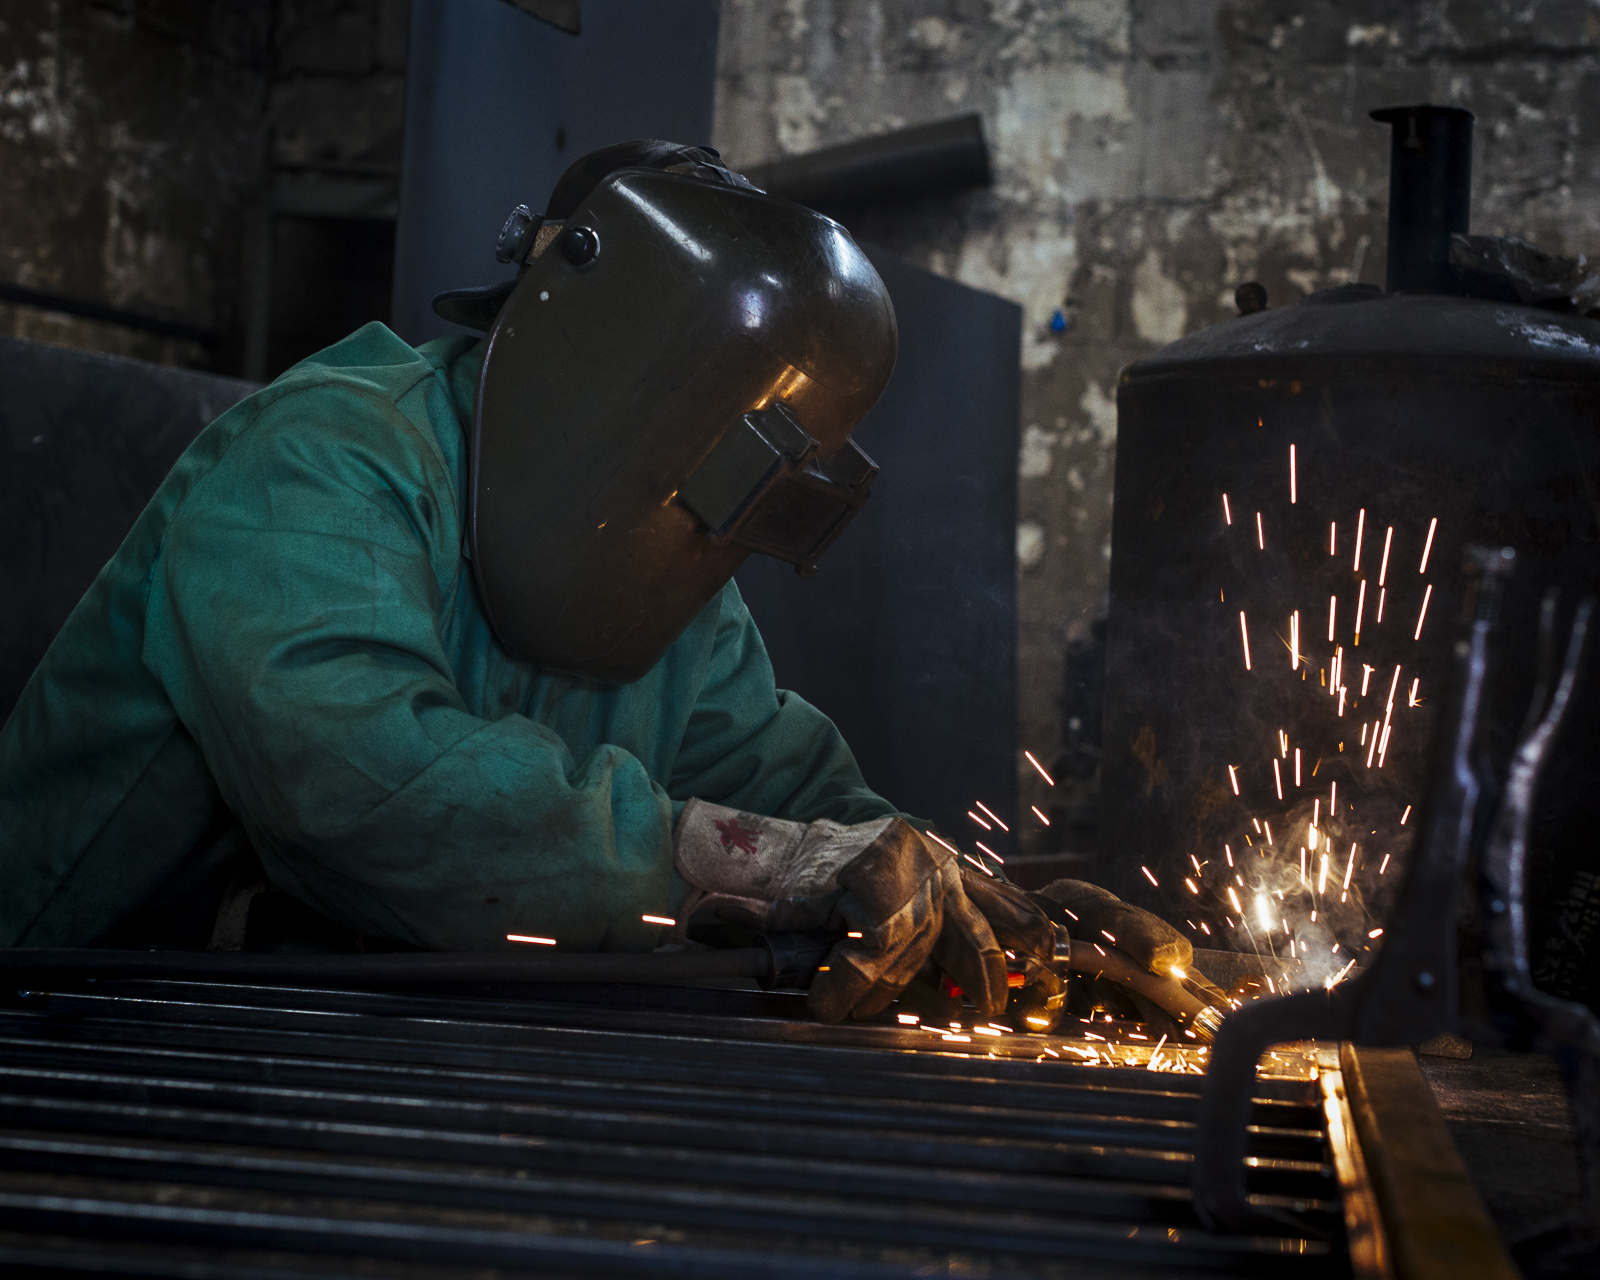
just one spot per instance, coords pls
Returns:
(85, 440)
(1404, 407)
(906, 637)
(498, 104)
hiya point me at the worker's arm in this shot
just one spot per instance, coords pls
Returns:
(294, 619)
(764, 750)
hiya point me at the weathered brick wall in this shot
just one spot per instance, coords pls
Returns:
(142, 142)
(1149, 156)
(131, 140)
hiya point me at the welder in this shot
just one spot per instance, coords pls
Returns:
(442, 643)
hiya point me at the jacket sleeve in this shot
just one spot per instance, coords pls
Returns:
(752, 746)
(293, 620)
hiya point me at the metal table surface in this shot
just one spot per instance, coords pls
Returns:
(165, 1128)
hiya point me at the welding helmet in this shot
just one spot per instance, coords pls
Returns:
(671, 383)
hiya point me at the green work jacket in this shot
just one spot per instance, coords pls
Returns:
(288, 654)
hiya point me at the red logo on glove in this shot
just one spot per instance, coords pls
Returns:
(735, 835)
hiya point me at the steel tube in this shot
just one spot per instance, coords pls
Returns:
(923, 160)
(394, 969)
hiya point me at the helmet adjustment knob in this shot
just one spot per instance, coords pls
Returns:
(517, 236)
(580, 245)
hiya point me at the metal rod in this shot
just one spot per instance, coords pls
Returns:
(21, 295)
(397, 969)
(923, 160)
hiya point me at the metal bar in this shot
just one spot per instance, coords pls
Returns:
(389, 1056)
(336, 1133)
(204, 1215)
(677, 1107)
(31, 964)
(1437, 1225)
(708, 1100)
(1167, 1094)
(1365, 1238)
(21, 295)
(885, 1221)
(1013, 1058)
(1092, 1156)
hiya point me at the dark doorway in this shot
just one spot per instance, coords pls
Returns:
(330, 276)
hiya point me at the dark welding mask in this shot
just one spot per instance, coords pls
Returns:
(671, 383)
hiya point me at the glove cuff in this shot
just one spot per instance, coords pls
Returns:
(730, 853)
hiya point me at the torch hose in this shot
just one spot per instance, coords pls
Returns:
(33, 964)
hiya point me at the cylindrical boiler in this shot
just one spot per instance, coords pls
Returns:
(1294, 489)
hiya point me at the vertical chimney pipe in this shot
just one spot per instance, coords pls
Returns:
(1430, 194)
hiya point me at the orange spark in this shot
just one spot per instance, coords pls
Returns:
(666, 920)
(1428, 546)
(1233, 777)
(1425, 597)
(1040, 768)
(523, 937)
(1226, 514)
(1039, 815)
(1361, 524)
(995, 817)
(1244, 631)
(1293, 498)
(1261, 540)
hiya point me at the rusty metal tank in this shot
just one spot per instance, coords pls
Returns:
(1251, 457)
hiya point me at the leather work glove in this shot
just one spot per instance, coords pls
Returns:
(899, 893)
(1098, 915)
(1030, 939)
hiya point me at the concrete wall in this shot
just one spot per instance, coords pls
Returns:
(1150, 155)
(131, 138)
(144, 142)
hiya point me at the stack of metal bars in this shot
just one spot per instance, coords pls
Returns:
(166, 1128)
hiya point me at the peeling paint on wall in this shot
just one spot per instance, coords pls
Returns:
(130, 139)
(1151, 155)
